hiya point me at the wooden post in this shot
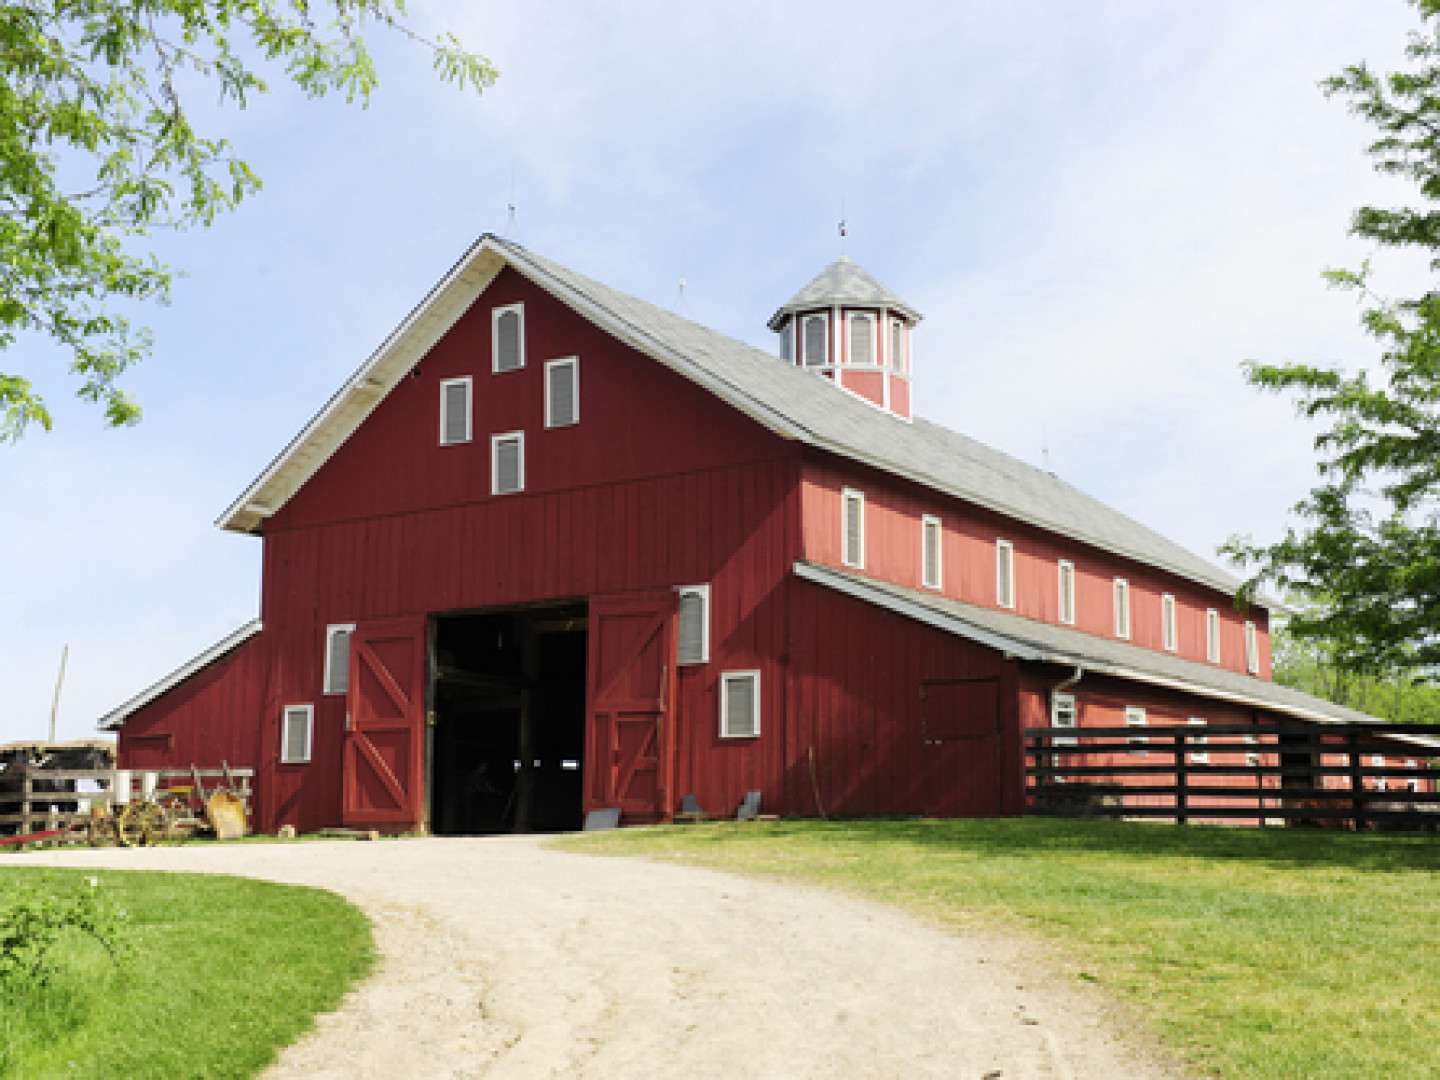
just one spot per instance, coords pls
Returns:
(1181, 777)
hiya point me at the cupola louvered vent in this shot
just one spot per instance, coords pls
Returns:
(740, 704)
(508, 463)
(454, 411)
(562, 393)
(862, 340)
(509, 335)
(693, 635)
(815, 341)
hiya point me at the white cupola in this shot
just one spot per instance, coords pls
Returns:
(847, 327)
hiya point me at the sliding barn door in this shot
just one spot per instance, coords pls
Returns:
(384, 766)
(630, 737)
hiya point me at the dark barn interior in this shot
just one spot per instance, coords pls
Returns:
(507, 750)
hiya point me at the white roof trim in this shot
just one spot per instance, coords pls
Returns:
(112, 721)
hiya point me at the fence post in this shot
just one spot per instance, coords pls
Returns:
(27, 826)
(1357, 782)
(1181, 778)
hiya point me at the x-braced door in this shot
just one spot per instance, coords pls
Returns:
(630, 736)
(384, 766)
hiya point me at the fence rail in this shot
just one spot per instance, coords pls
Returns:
(36, 808)
(1348, 775)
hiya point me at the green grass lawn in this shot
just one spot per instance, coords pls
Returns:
(217, 975)
(1251, 953)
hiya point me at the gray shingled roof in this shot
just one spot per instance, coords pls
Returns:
(845, 282)
(791, 400)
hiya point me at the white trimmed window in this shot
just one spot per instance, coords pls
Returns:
(897, 345)
(1199, 757)
(337, 657)
(862, 339)
(852, 542)
(1212, 635)
(1063, 715)
(1252, 649)
(454, 411)
(1135, 718)
(815, 337)
(739, 704)
(1122, 608)
(507, 337)
(1004, 573)
(1169, 626)
(1067, 592)
(296, 730)
(562, 392)
(692, 644)
(507, 463)
(932, 537)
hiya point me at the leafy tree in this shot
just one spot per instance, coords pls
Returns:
(97, 149)
(1367, 551)
(1309, 664)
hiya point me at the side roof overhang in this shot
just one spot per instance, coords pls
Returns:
(115, 719)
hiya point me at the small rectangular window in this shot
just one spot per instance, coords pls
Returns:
(454, 411)
(897, 345)
(1199, 757)
(853, 542)
(816, 334)
(693, 632)
(507, 463)
(739, 704)
(1135, 718)
(1063, 715)
(1067, 592)
(1004, 573)
(337, 657)
(296, 731)
(562, 392)
(1122, 609)
(507, 337)
(1212, 635)
(862, 339)
(932, 537)
(1169, 637)
(1252, 649)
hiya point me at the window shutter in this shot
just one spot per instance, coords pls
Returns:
(509, 464)
(337, 660)
(862, 340)
(562, 405)
(295, 741)
(741, 704)
(508, 355)
(693, 638)
(815, 341)
(854, 538)
(933, 535)
(454, 411)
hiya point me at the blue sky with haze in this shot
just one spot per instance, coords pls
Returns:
(1100, 208)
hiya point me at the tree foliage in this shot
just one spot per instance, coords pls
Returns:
(97, 148)
(1366, 554)
(1310, 664)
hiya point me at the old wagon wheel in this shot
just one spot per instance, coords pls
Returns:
(141, 823)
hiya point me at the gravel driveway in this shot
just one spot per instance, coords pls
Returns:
(504, 959)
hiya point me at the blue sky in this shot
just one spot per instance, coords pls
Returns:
(1101, 209)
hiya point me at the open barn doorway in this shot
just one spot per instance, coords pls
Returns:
(507, 747)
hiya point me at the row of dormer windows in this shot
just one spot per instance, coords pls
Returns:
(852, 554)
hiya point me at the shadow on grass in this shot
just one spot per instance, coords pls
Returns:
(1038, 838)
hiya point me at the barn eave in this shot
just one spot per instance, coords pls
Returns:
(115, 719)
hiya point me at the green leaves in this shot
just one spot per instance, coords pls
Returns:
(97, 149)
(32, 924)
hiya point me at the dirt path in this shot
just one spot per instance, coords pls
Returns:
(504, 959)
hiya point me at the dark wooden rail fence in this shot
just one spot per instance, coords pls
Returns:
(1269, 772)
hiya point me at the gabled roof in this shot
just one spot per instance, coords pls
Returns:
(843, 282)
(782, 397)
(115, 719)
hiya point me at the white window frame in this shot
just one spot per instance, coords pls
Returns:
(1122, 609)
(468, 383)
(803, 354)
(495, 441)
(1066, 581)
(1199, 757)
(1135, 718)
(703, 591)
(847, 497)
(930, 522)
(309, 710)
(495, 313)
(851, 318)
(1169, 623)
(897, 355)
(1212, 635)
(1252, 649)
(725, 678)
(1004, 574)
(328, 681)
(572, 362)
(1059, 705)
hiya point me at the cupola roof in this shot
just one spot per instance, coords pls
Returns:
(844, 283)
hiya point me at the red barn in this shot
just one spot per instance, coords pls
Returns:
(553, 549)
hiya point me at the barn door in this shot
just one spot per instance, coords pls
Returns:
(630, 734)
(384, 774)
(960, 747)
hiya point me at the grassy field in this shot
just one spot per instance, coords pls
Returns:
(1254, 954)
(216, 974)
